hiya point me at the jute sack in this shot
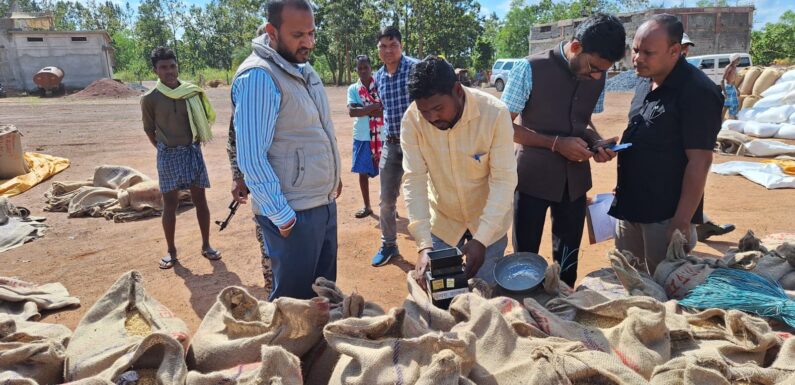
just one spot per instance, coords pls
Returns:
(634, 329)
(605, 282)
(112, 330)
(695, 370)
(376, 350)
(503, 357)
(12, 158)
(31, 351)
(731, 335)
(157, 359)
(636, 283)
(747, 86)
(25, 300)
(767, 78)
(276, 366)
(445, 369)
(749, 101)
(319, 362)
(237, 325)
(778, 264)
(421, 310)
(679, 273)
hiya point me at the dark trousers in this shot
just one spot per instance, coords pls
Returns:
(568, 219)
(309, 252)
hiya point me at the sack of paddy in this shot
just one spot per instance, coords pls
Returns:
(159, 359)
(633, 331)
(747, 86)
(378, 350)
(31, 351)
(504, 357)
(679, 273)
(237, 325)
(13, 164)
(733, 125)
(778, 114)
(766, 79)
(788, 76)
(319, 362)
(421, 310)
(625, 277)
(777, 264)
(787, 130)
(605, 282)
(750, 101)
(748, 114)
(730, 335)
(780, 87)
(120, 325)
(26, 300)
(761, 130)
(276, 366)
(774, 100)
(696, 370)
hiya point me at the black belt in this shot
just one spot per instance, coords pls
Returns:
(391, 139)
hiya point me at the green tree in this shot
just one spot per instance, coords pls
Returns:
(776, 41)
(483, 55)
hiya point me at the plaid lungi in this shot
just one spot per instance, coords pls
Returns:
(181, 167)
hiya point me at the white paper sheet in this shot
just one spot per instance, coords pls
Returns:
(601, 226)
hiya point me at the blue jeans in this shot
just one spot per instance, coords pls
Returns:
(309, 252)
(494, 252)
(391, 170)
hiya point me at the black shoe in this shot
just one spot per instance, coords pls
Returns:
(709, 229)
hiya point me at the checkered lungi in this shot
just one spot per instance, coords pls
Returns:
(181, 167)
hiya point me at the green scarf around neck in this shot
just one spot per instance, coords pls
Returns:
(200, 113)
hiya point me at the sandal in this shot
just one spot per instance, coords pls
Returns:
(363, 213)
(211, 254)
(168, 262)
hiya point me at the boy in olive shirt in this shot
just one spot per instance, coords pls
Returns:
(177, 118)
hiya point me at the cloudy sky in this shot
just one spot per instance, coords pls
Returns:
(767, 11)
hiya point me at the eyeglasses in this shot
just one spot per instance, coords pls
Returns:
(590, 69)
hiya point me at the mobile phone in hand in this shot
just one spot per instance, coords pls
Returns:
(619, 147)
(602, 144)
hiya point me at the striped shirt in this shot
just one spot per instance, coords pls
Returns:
(520, 84)
(394, 92)
(256, 100)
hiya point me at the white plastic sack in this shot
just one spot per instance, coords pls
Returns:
(789, 98)
(780, 87)
(778, 114)
(792, 118)
(773, 100)
(765, 174)
(733, 125)
(787, 77)
(787, 131)
(766, 148)
(748, 114)
(761, 130)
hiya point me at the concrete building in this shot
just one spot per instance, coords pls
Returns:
(713, 29)
(28, 43)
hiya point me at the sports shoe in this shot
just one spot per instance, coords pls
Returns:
(384, 254)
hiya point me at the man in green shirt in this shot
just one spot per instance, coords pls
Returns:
(177, 118)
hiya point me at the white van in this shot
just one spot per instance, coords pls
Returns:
(715, 65)
(500, 71)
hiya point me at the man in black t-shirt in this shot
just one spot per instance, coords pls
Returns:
(674, 121)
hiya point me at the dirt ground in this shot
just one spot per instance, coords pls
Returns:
(88, 254)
